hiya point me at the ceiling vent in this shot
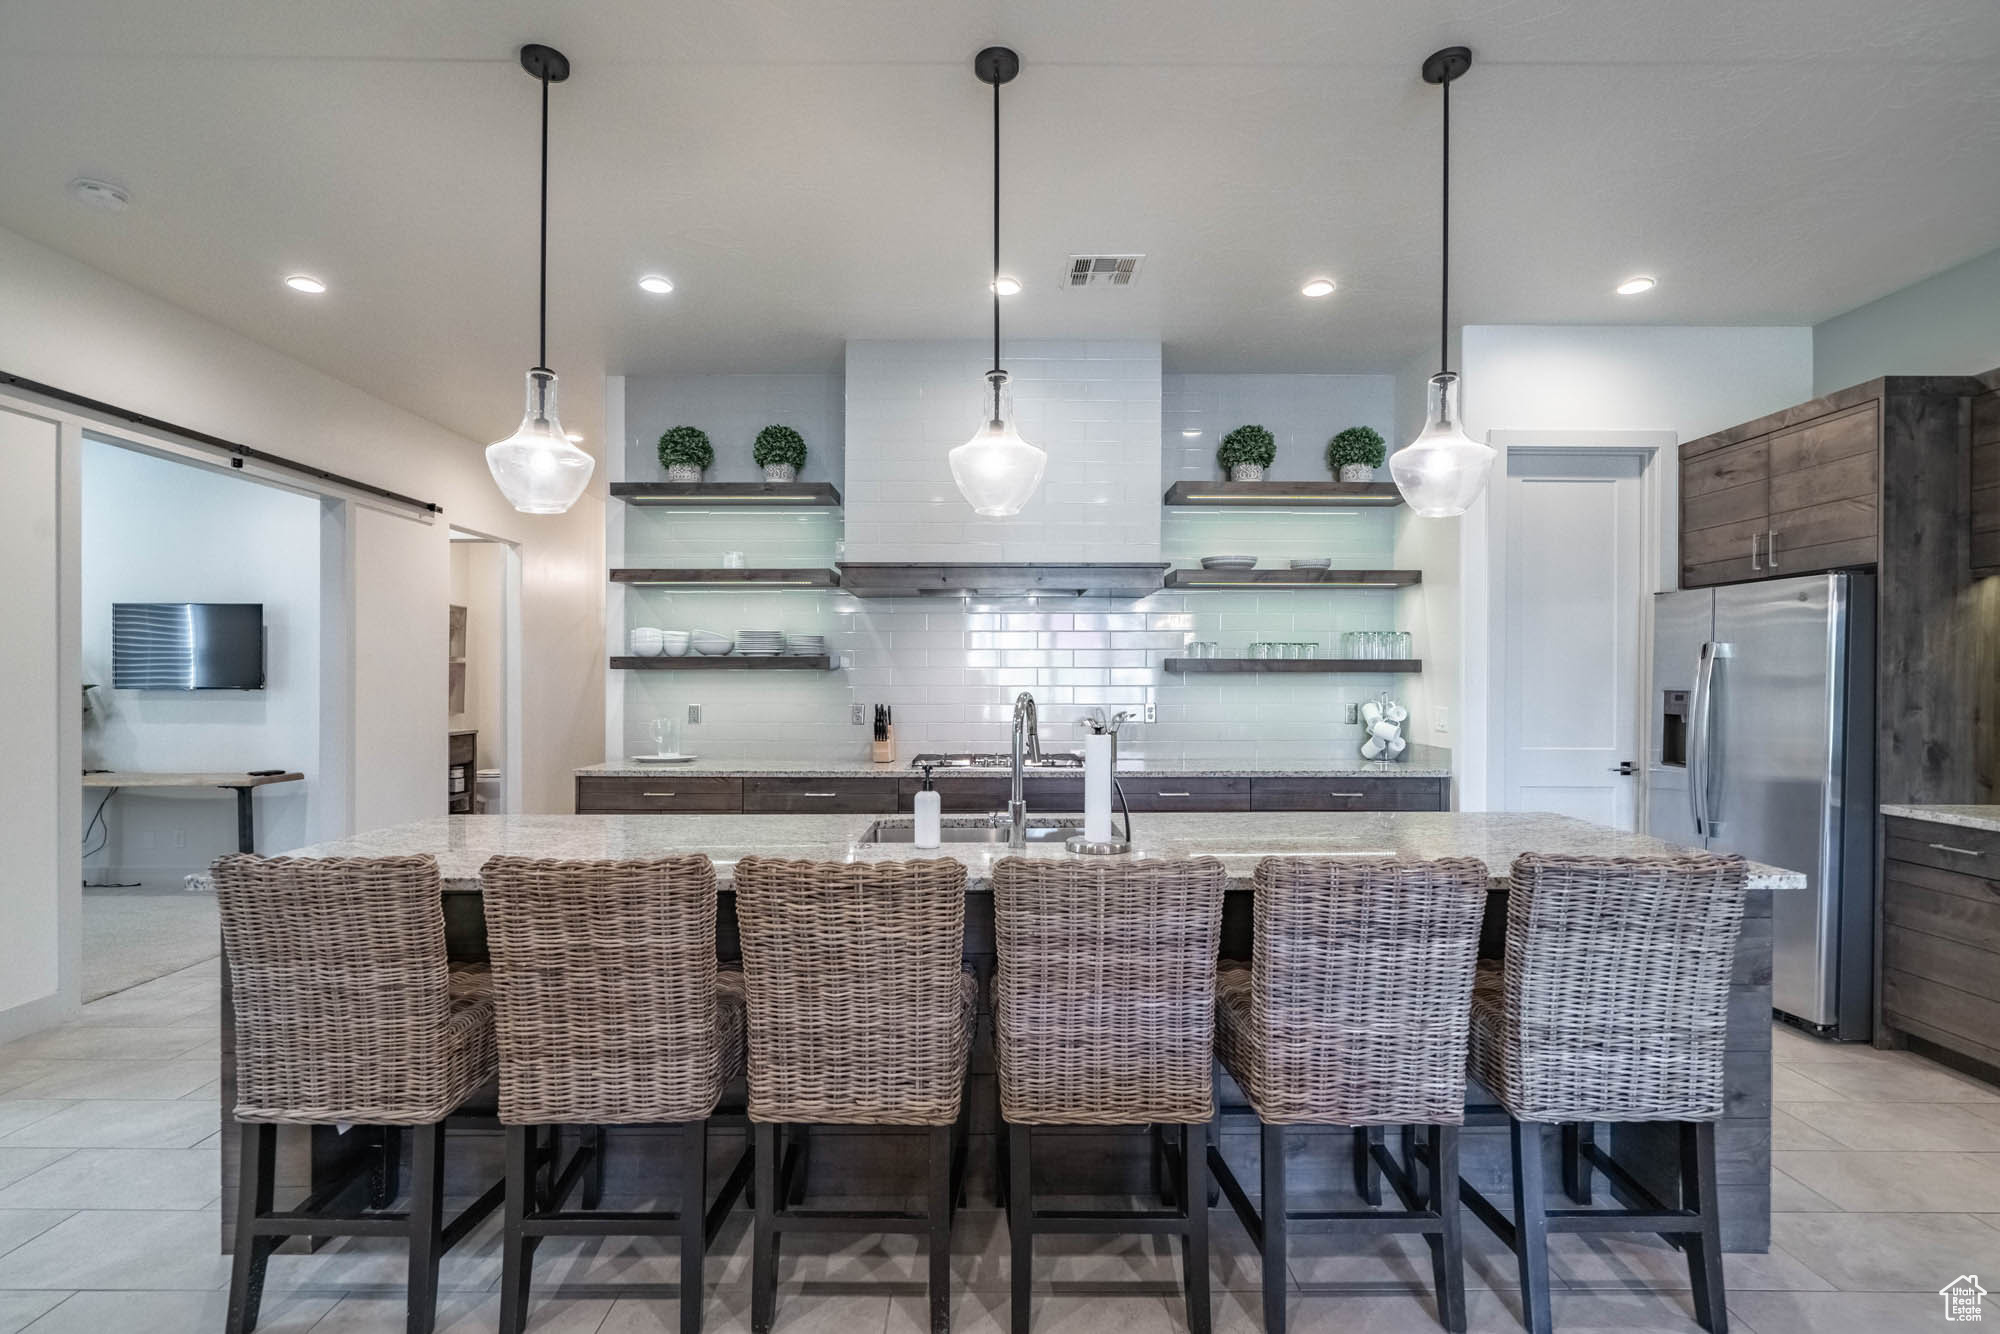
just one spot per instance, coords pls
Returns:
(1102, 271)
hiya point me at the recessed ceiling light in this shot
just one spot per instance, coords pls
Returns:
(100, 195)
(1317, 287)
(305, 282)
(1191, 433)
(1005, 286)
(657, 284)
(1638, 283)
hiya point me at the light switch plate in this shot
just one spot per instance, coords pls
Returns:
(1440, 720)
(694, 713)
(854, 714)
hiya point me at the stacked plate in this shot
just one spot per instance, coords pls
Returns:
(805, 646)
(1311, 563)
(1228, 562)
(709, 644)
(760, 643)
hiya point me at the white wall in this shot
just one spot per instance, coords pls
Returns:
(1094, 406)
(1302, 412)
(732, 409)
(155, 530)
(1578, 385)
(65, 324)
(1948, 324)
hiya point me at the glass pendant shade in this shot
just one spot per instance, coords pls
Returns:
(538, 468)
(997, 471)
(1443, 470)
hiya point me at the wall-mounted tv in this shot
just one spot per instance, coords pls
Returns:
(187, 645)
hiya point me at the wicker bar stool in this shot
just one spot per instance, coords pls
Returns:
(1613, 1006)
(610, 1010)
(1352, 1012)
(860, 1012)
(347, 1013)
(1104, 1014)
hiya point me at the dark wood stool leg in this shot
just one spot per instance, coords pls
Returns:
(1367, 1173)
(259, 1147)
(1448, 1247)
(1194, 1251)
(801, 1140)
(426, 1225)
(1020, 1210)
(764, 1243)
(1162, 1179)
(1277, 1268)
(1413, 1160)
(593, 1179)
(694, 1218)
(1576, 1137)
(516, 1262)
(1531, 1226)
(938, 1215)
(1704, 1249)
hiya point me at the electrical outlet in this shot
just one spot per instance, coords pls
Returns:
(1152, 712)
(1354, 714)
(694, 713)
(856, 714)
(180, 838)
(1440, 720)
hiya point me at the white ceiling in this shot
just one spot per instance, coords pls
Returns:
(812, 172)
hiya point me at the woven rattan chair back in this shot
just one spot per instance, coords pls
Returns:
(1360, 989)
(857, 997)
(1615, 998)
(604, 989)
(341, 990)
(1104, 998)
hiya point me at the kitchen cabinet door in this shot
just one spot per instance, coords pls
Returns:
(1986, 484)
(1825, 477)
(1725, 511)
(819, 796)
(620, 794)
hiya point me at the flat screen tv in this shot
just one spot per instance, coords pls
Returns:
(187, 645)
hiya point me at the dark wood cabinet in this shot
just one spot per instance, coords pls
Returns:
(1986, 484)
(1347, 794)
(1941, 937)
(462, 770)
(613, 794)
(819, 796)
(1795, 493)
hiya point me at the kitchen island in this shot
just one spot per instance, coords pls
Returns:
(461, 846)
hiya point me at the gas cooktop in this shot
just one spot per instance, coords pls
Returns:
(975, 759)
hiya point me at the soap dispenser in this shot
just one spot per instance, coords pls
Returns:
(930, 831)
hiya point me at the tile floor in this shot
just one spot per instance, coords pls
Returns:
(1887, 1186)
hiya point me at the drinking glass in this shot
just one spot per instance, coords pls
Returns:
(1405, 646)
(1312, 648)
(1260, 649)
(732, 560)
(666, 737)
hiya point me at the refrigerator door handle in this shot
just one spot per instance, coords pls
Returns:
(1698, 742)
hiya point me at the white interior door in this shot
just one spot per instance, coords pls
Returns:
(1575, 589)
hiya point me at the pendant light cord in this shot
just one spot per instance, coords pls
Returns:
(542, 313)
(996, 250)
(1444, 247)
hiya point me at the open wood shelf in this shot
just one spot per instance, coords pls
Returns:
(1283, 495)
(769, 577)
(1275, 578)
(693, 495)
(694, 662)
(1235, 666)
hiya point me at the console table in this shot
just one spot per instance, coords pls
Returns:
(241, 784)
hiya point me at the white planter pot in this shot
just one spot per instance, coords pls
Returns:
(1356, 472)
(780, 472)
(1246, 472)
(683, 472)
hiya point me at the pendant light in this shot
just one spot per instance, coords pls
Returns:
(538, 468)
(997, 471)
(1443, 470)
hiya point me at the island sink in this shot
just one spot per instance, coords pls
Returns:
(884, 831)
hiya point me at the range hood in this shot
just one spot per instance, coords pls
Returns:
(1000, 579)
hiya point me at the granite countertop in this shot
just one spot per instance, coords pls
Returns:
(462, 843)
(1324, 762)
(1965, 817)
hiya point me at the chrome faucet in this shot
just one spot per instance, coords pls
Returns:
(1026, 736)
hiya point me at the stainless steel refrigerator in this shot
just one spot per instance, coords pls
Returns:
(1764, 744)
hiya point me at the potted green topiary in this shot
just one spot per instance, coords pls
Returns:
(780, 452)
(684, 452)
(1246, 452)
(1355, 454)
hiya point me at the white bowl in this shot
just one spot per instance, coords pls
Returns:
(1312, 563)
(1228, 562)
(713, 648)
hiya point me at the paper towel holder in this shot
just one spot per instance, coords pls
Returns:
(1110, 847)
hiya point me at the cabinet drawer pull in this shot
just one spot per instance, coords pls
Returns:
(1771, 547)
(1356, 795)
(1962, 852)
(1173, 794)
(656, 794)
(819, 794)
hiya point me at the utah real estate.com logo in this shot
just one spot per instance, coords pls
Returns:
(1962, 1297)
